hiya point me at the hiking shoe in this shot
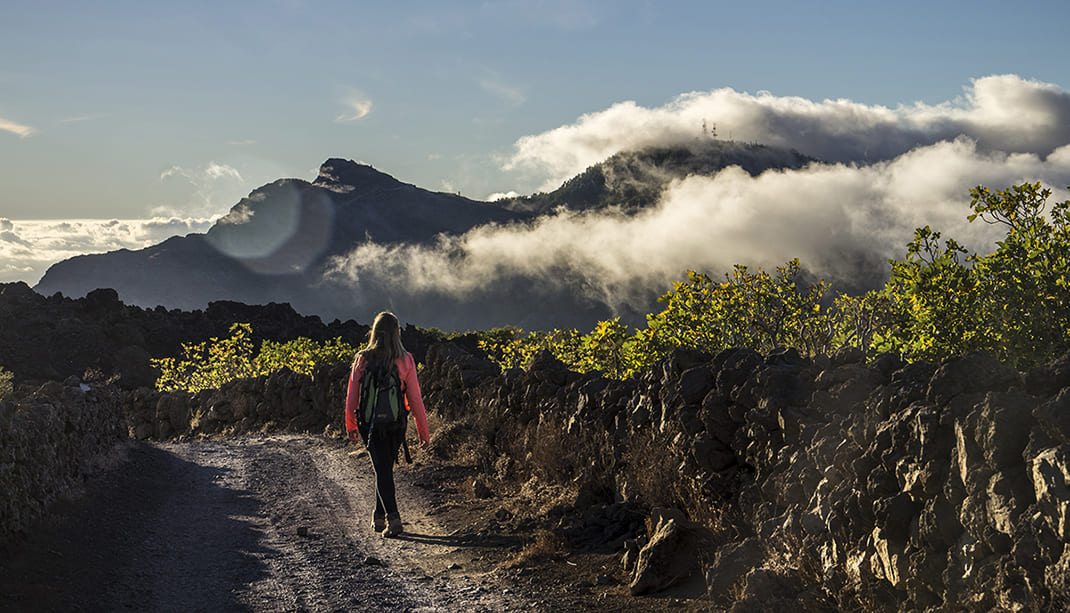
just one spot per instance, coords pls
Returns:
(393, 527)
(378, 522)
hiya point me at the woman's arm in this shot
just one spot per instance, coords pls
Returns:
(415, 400)
(353, 398)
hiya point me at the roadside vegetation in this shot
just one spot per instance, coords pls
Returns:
(940, 300)
(7, 386)
(212, 363)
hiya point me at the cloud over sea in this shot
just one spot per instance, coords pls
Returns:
(29, 247)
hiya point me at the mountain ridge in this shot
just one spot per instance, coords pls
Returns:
(633, 179)
(276, 244)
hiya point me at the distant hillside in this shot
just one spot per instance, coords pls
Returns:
(271, 246)
(634, 179)
(276, 244)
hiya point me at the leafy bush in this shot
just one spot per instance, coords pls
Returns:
(209, 364)
(7, 387)
(1014, 302)
(212, 363)
(754, 310)
(747, 309)
(302, 355)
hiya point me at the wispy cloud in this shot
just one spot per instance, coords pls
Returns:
(241, 143)
(494, 85)
(357, 107)
(219, 171)
(15, 128)
(81, 118)
(213, 189)
(211, 171)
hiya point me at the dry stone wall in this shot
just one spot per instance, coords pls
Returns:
(281, 401)
(879, 486)
(49, 442)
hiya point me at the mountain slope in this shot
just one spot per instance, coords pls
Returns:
(270, 246)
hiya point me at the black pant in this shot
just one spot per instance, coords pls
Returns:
(383, 448)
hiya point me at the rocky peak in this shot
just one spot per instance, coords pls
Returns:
(344, 176)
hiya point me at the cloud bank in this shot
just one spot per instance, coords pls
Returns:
(28, 248)
(1001, 113)
(843, 219)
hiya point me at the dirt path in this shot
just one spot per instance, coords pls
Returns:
(272, 523)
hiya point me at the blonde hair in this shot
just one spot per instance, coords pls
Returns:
(384, 339)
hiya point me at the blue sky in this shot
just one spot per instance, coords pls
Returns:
(139, 110)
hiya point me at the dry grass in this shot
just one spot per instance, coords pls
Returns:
(543, 546)
(652, 472)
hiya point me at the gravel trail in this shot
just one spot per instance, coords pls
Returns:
(269, 523)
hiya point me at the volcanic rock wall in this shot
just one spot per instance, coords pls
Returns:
(49, 442)
(281, 401)
(882, 486)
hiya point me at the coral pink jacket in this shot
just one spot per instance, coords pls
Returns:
(414, 402)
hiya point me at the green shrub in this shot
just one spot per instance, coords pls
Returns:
(1014, 302)
(7, 386)
(212, 363)
(302, 355)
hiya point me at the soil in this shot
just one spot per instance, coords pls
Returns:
(282, 523)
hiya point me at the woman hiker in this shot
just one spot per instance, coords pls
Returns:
(384, 349)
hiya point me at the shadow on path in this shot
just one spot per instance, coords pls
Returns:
(458, 540)
(156, 533)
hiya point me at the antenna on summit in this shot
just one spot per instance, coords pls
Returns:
(709, 129)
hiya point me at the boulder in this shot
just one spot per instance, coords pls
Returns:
(975, 372)
(1054, 416)
(1051, 483)
(731, 563)
(670, 555)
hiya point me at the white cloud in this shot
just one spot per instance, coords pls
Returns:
(212, 190)
(502, 196)
(17, 129)
(842, 220)
(29, 247)
(220, 171)
(357, 107)
(1002, 113)
(11, 237)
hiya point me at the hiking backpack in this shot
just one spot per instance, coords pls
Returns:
(382, 402)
